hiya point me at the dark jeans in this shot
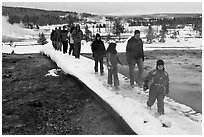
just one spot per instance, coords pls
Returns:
(71, 49)
(140, 65)
(77, 49)
(96, 65)
(113, 74)
(65, 46)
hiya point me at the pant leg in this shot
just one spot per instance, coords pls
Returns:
(110, 71)
(60, 46)
(75, 49)
(160, 101)
(71, 48)
(140, 65)
(96, 65)
(115, 76)
(131, 71)
(152, 96)
(64, 46)
(101, 65)
(79, 49)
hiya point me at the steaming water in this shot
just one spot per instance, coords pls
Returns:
(16, 32)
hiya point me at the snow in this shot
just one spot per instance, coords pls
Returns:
(129, 103)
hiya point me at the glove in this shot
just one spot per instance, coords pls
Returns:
(110, 67)
(167, 92)
(145, 88)
(145, 85)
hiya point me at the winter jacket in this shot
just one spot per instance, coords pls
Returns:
(57, 35)
(134, 49)
(112, 59)
(70, 38)
(64, 36)
(158, 78)
(98, 49)
(77, 35)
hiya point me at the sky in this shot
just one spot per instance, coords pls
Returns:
(113, 8)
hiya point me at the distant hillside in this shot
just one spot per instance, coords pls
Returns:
(170, 15)
(161, 15)
(39, 16)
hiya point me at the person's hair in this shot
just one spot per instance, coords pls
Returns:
(137, 32)
(72, 28)
(97, 35)
(159, 62)
(112, 48)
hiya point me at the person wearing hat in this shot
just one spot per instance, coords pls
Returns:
(98, 50)
(135, 55)
(157, 81)
(77, 36)
(64, 39)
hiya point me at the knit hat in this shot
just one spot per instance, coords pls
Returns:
(137, 32)
(98, 35)
(160, 62)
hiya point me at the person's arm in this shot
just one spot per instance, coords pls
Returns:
(167, 85)
(128, 46)
(104, 49)
(119, 61)
(108, 60)
(147, 78)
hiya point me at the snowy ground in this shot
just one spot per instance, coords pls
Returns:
(130, 103)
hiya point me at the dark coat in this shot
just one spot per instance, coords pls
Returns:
(158, 78)
(134, 49)
(64, 35)
(77, 35)
(98, 49)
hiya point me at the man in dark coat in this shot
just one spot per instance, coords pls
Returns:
(77, 36)
(64, 38)
(98, 50)
(135, 54)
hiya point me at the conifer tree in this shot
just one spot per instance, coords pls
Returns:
(42, 40)
(150, 35)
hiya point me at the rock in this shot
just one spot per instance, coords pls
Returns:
(34, 103)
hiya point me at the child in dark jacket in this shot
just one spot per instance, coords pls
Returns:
(99, 52)
(112, 62)
(157, 81)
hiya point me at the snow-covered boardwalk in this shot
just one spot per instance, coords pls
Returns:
(129, 103)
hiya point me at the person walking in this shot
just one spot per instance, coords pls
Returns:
(135, 55)
(64, 38)
(58, 38)
(71, 41)
(157, 81)
(112, 62)
(54, 38)
(98, 50)
(77, 36)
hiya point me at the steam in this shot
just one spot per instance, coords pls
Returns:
(15, 32)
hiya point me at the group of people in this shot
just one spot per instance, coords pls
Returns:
(68, 35)
(157, 80)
